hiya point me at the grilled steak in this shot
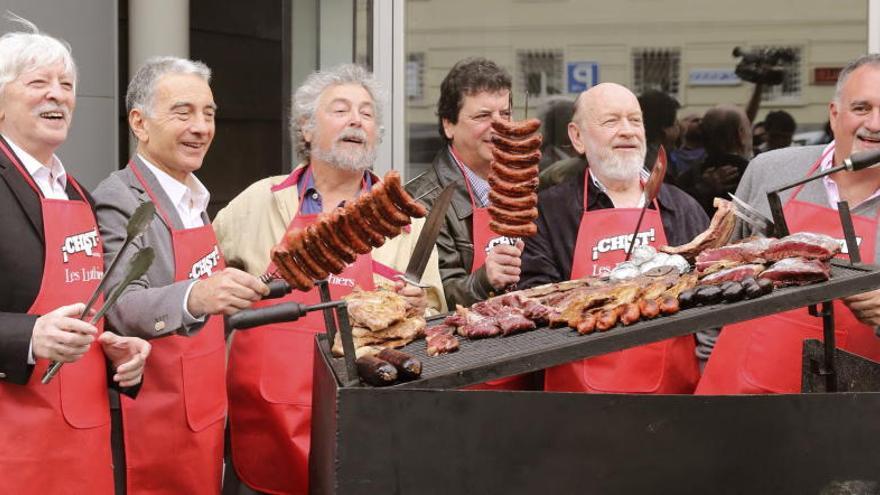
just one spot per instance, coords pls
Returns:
(737, 273)
(751, 251)
(803, 245)
(797, 271)
(376, 309)
(440, 340)
(719, 232)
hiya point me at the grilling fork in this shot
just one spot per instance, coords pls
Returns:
(752, 216)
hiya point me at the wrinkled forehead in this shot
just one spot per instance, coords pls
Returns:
(613, 101)
(346, 94)
(862, 84)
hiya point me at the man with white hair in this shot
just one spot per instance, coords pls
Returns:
(764, 356)
(336, 123)
(582, 228)
(55, 437)
(174, 431)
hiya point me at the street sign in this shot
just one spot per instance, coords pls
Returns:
(713, 77)
(582, 76)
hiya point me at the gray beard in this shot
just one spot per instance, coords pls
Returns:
(615, 167)
(357, 161)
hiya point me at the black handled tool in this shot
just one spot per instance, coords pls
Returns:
(289, 311)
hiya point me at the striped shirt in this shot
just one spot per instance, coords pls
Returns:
(479, 185)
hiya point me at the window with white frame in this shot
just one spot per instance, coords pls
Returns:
(540, 71)
(657, 69)
(790, 88)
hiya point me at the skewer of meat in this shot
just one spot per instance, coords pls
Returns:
(401, 198)
(387, 208)
(320, 253)
(526, 230)
(513, 189)
(514, 203)
(514, 174)
(520, 146)
(360, 244)
(517, 161)
(512, 217)
(331, 238)
(518, 129)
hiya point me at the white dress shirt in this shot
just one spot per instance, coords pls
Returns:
(190, 200)
(51, 179)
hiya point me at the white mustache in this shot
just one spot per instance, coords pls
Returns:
(868, 134)
(53, 107)
(353, 133)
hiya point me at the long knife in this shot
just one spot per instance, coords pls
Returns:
(427, 238)
(138, 265)
(652, 187)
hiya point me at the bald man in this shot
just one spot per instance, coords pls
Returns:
(580, 220)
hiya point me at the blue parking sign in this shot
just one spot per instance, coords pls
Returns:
(582, 76)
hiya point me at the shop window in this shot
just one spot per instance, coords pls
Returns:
(540, 71)
(657, 69)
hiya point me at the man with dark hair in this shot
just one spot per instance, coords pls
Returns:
(728, 142)
(661, 127)
(691, 153)
(474, 93)
(764, 356)
(779, 126)
(475, 263)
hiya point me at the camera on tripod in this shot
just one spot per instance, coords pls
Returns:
(763, 65)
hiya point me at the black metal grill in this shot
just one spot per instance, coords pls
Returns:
(477, 361)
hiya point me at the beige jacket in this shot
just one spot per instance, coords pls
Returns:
(257, 218)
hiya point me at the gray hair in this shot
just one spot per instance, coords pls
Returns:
(24, 51)
(869, 59)
(142, 87)
(305, 101)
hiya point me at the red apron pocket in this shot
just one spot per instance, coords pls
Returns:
(773, 357)
(83, 391)
(204, 387)
(638, 370)
(288, 356)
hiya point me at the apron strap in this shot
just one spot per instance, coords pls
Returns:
(137, 173)
(15, 161)
(813, 168)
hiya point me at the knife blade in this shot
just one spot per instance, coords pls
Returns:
(652, 187)
(418, 261)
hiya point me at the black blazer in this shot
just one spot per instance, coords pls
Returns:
(21, 267)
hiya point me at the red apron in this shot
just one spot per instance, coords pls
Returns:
(764, 355)
(55, 438)
(270, 382)
(174, 430)
(484, 241)
(666, 367)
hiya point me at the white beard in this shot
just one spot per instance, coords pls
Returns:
(616, 166)
(354, 160)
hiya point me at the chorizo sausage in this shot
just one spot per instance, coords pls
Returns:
(518, 129)
(630, 313)
(518, 146)
(514, 174)
(649, 308)
(517, 161)
(515, 189)
(340, 223)
(307, 263)
(401, 198)
(374, 220)
(320, 252)
(512, 217)
(329, 235)
(587, 324)
(386, 206)
(289, 270)
(607, 318)
(359, 224)
(669, 305)
(515, 203)
(525, 230)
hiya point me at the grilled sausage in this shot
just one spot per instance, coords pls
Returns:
(408, 367)
(358, 241)
(289, 270)
(386, 206)
(520, 146)
(607, 318)
(518, 129)
(514, 189)
(587, 324)
(374, 220)
(360, 225)
(630, 313)
(649, 308)
(401, 198)
(669, 305)
(308, 264)
(513, 217)
(517, 161)
(376, 371)
(525, 230)
(515, 203)
(320, 252)
(328, 233)
(514, 174)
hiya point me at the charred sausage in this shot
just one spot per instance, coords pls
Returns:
(514, 174)
(630, 313)
(513, 217)
(519, 129)
(514, 189)
(401, 198)
(517, 161)
(360, 225)
(358, 242)
(408, 367)
(525, 230)
(649, 308)
(374, 220)
(289, 270)
(386, 206)
(587, 324)
(330, 237)
(520, 146)
(515, 203)
(320, 252)
(308, 264)
(375, 371)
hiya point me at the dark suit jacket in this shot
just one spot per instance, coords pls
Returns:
(21, 268)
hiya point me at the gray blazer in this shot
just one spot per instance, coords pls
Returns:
(153, 305)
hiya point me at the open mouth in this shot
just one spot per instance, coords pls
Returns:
(872, 140)
(352, 139)
(53, 115)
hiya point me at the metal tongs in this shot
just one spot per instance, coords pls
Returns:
(750, 215)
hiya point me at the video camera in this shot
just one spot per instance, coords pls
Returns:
(763, 65)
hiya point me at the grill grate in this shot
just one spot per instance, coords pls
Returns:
(477, 361)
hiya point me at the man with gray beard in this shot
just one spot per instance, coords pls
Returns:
(336, 123)
(583, 230)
